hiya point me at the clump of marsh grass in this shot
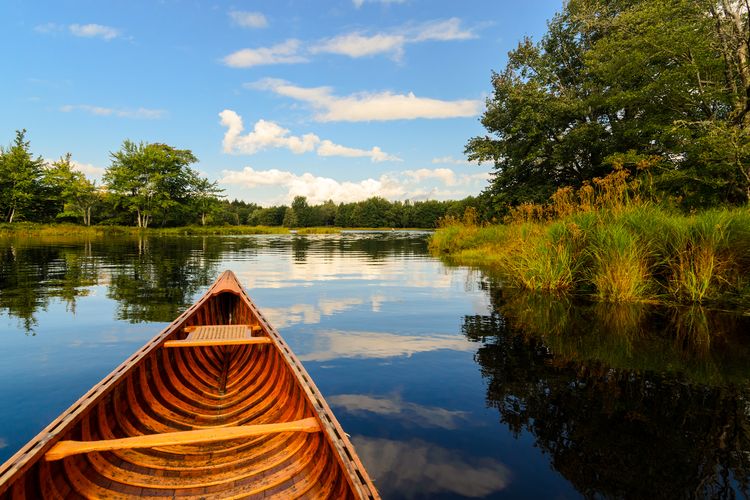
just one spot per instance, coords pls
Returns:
(699, 256)
(619, 270)
(542, 260)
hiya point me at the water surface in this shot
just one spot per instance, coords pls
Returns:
(450, 386)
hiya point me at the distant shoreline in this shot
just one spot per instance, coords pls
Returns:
(30, 228)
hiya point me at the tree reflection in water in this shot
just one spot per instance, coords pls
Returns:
(628, 401)
(151, 278)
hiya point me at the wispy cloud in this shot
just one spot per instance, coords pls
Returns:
(80, 30)
(48, 28)
(139, 113)
(94, 31)
(248, 19)
(283, 53)
(370, 106)
(355, 44)
(268, 135)
(361, 44)
(360, 3)
(449, 160)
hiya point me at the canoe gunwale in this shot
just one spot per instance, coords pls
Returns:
(33, 451)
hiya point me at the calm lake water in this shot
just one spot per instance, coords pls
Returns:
(450, 386)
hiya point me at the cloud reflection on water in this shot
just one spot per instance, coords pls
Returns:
(333, 344)
(416, 468)
(309, 314)
(411, 414)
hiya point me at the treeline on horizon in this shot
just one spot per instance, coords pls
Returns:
(149, 185)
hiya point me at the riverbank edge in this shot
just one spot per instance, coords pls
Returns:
(636, 254)
(37, 229)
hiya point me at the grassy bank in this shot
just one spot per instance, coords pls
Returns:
(628, 254)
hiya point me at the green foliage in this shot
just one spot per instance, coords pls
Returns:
(205, 196)
(20, 179)
(77, 194)
(150, 179)
(660, 81)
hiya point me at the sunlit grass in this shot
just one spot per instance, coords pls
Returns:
(633, 254)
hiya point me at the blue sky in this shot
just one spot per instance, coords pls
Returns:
(343, 99)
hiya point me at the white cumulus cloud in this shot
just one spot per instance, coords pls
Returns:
(267, 135)
(370, 106)
(316, 189)
(282, 53)
(446, 175)
(248, 19)
(88, 169)
(393, 186)
(94, 31)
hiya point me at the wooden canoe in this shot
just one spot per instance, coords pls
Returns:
(214, 406)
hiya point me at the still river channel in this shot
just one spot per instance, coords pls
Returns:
(450, 385)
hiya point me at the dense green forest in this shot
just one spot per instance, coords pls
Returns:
(149, 185)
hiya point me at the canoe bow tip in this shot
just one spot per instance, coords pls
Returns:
(226, 282)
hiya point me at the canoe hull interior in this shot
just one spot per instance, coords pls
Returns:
(165, 390)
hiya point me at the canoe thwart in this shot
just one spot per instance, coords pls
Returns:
(212, 335)
(252, 328)
(67, 448)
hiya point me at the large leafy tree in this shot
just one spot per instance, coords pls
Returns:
(205, 196)
(20, 176)
(664, 79)
(78, 194)
(150, 179)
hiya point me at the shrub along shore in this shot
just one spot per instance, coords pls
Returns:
(606, 241)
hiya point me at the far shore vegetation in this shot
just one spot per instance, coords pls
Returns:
(152, 186)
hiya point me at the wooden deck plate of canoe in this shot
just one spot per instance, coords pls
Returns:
(215, 406)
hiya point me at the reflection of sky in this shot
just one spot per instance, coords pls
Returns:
(330, 345)
(395, 407)
(417, 469)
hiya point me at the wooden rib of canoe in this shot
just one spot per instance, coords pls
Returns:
(214, 406)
